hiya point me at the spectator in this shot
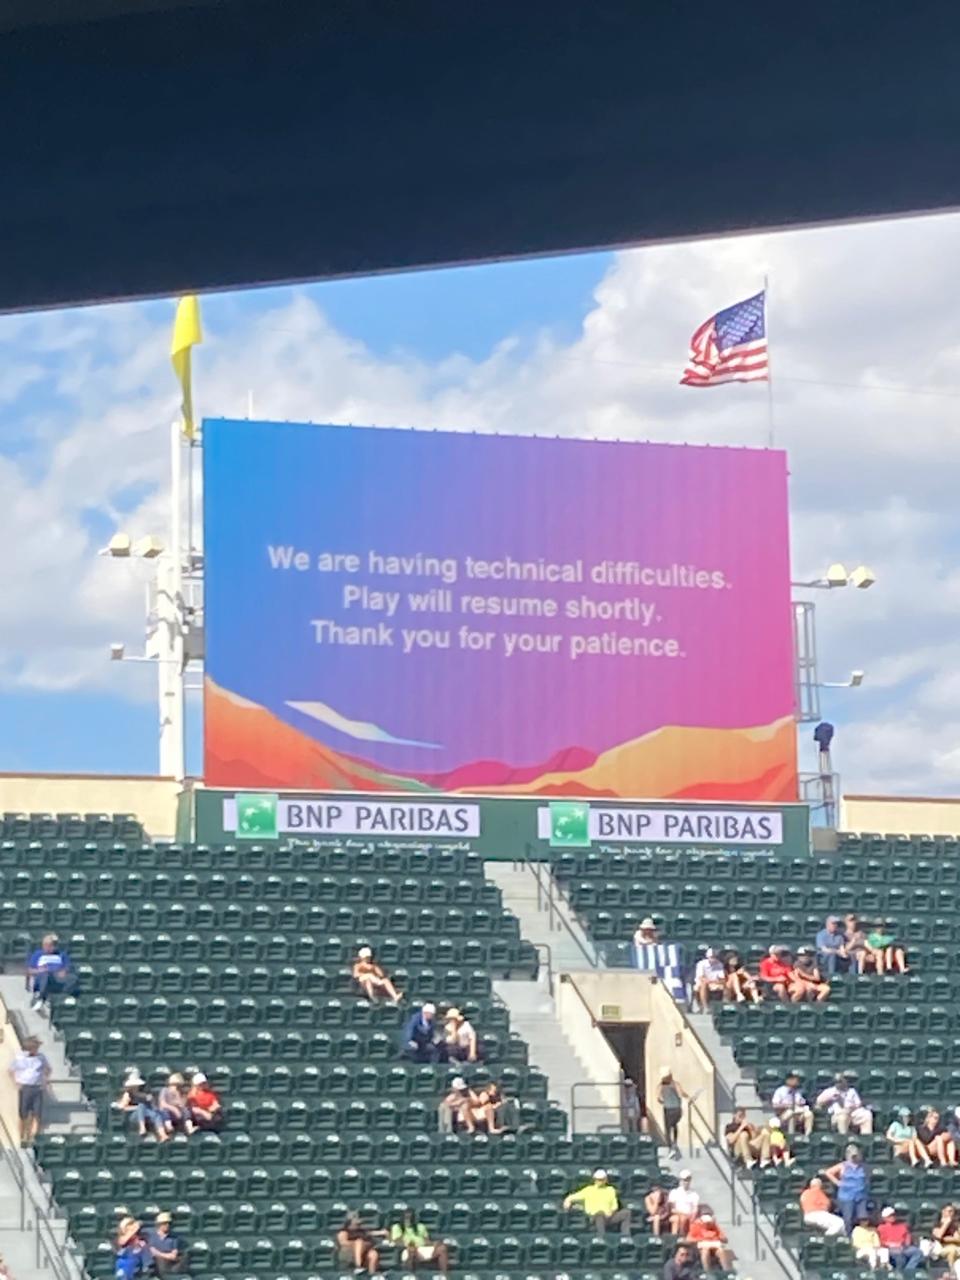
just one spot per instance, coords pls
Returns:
(507, 1110)
(483, 1110)
(742, 1140)
(631, 1111)
(855, 942)
(167, 1250)
(934, 1135)
(953, 1127)
(739, 986)
(852, 1182)
(665, 959)
(895, 1237)
(601, 1204)
(885, 953)
(133, 1257)
(454, 1110)
(657, 1209)
(52, 971)
(709, 979)
(808, 983)
(866, 1245)
(30, 1072)
(902, 1136)
(684, 1265)
(416, 1245)
(421, 1036)
(139, 1101)
(372, 978)
(684, 1204)
(776, 973)
(206, 1109)
(461, 1039)
(173, 1105)
(670, 1095)
(817, 1209)
(946, 1235)
(791, 1107)
(357, 1245)
(774, 1140)
(845, 1106)
(705, 1232)
(831, 947)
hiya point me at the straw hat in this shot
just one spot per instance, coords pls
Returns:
(134, 1079)
(175, 1078)
(127, 1229)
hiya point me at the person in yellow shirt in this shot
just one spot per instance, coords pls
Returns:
(601, 1204)
(867, 1247)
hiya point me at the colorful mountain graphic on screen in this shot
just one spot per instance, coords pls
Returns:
(670, 763)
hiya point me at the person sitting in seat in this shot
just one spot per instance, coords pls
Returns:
(742, 1140)
(601, 1204)
(902, 1136)
(372, 978)
(657, 1209)
(684, 1265)
(776, 973)
(808, 983)
(416, 1245)
(684, 1204)
(817, 1209)
(791, 1107)
(484, 1107)
(132, 1256)
(867, 1247)
(652, 955)
(421, 1036)
(845, 1106)
(773, 1139)
(884, 952)
(173, 1105)
(855, 943)
(454, 1111)
(711, 1241)
(168, 1251)
(709, 979)
(461, 1038)
(739, 984)
(831, 945)
(895, 1237)
(51, 971)
(137, 1099)
(206, 1109)
(946, 1236)
(357, 1245)
(934, 1134)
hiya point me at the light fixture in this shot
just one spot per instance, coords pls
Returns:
(836, 576)
(118, 547)
(116, 652)
(148, 548)
(862, 577)
(856, 680)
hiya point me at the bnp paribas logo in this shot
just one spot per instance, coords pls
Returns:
(569, 825)
(257, 816)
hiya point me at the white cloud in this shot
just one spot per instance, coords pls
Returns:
(88, 395)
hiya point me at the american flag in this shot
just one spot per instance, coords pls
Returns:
(730, 347)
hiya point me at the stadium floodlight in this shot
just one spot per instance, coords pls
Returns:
(148, 548)
(116, 652)
(836, 576)
(118, 547)
(862, 577)
(855, 681)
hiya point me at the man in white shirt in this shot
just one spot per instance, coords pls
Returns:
(708, 978)
(792, 1109)
(683, 1203)
(30, 1072)
(845, 1106)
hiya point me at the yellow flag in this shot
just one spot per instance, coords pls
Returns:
(186, 334)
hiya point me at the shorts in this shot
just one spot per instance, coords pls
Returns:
(31, 1100)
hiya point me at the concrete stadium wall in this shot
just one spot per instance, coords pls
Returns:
(906, 815)
(153, 800)
(9, 1047)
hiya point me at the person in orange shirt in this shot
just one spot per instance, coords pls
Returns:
(817, 1209)
(705, 1232)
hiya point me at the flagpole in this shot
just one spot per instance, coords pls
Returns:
(771, 433)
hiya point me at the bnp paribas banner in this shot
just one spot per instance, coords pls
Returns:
(498, 827)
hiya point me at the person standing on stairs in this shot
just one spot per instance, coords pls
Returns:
(670, 1095)
(30, 1072)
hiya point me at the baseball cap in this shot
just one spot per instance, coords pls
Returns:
(429, 1008)
(199, 1078)
(887, 1211)
(163, 1217)
(458, 1082)
(647, 923)
(365, 953)
(685, 1175)
(599, 1175)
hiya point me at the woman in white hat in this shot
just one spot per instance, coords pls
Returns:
(461, 1038)
(132, 1254)
(372, 978)
(137, 1099)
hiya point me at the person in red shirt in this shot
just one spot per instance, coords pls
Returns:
(206, 1110)
(895, 1237)
(776, 972)
(705, 1232)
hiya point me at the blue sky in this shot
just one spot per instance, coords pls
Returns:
(867, 386)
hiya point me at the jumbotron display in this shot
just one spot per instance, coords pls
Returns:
(396, 610)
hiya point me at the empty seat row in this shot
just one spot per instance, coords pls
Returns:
(757, 869)
(71, 826)
(773, 1016)
(819, 900)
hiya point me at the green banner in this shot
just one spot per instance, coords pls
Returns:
(500, 826)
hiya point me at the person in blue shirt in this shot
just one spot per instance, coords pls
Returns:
(852, 1182)
(133, 1257)
(51, 970)
(831, 944)
(422, 1038)
(167, 1250)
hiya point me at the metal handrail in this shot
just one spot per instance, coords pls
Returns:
(548, 961)
(595, 1106)
(568, 980)
(546, 891)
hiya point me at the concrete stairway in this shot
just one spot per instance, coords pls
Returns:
(532, 1014)
(570, 948)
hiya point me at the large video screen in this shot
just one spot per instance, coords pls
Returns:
(398, 610)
